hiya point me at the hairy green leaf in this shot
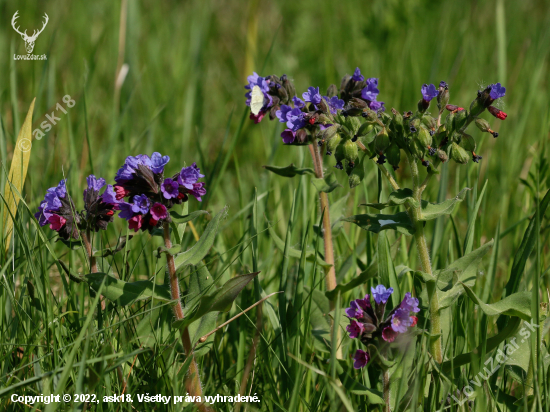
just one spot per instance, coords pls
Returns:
(177, 218)
(377, 222)
(194, 255)
(126, 293)
(434, 210)
(290, 170)
(398, 197)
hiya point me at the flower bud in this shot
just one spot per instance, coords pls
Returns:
(323, 106)
(329, 132)
(417, 149)
(358, 103)
(351, 152)
(424, 137)
(393, 155)
(483, 125)
(468, 143)
(397, 121)
(381, 141)
(370, 115)
(443, 96)
(458, 154)
(460, 119)
(333, 143)
(364, 129)
(332, 91)
(429, 122)
(414, 125)
(499, 114)
(442, 156)
(356, 174)
(288, 85)
(345, 81)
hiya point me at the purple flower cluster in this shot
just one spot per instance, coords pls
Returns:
(263, 84)
(368, 321)
(497, 91)
(141, 179)
(59, 211)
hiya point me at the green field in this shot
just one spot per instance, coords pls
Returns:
(183, 96)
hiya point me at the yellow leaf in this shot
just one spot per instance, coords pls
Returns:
(17, 174)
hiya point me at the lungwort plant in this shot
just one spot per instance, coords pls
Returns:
(351, 124)
(144, 197)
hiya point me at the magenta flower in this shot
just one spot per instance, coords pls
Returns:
(358, 307)
(288, 136)
(355, 329)
(360, 359)
(135, 222)
(159, 211)
(388, 334)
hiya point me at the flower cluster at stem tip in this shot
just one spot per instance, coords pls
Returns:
(369, 323)
(141, 193)
(350, 118)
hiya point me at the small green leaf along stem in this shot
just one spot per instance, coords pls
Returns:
(422, 246)
(193, 383)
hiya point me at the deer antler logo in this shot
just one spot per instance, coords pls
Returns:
(29, 40)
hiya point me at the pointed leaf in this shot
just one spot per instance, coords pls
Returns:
(434, 210)
(290, 170)
(369, 273)
(489, 345)
(177, 218)
(397, 197)
(220, 300)
(518, 304)
(126, 293)
(377, 222)
(112, 250)
(194, 255)
(17, 175)
(527, 245)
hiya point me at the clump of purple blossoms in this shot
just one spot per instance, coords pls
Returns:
(59, 211)
(277, 91)
(151, 195)
(370, 324)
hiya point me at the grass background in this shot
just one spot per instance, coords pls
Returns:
(184, 96)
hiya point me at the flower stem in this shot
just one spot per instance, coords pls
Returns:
(386, 390)
(193, 383)
(415, 213)
(88, 246)
(330, 276)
